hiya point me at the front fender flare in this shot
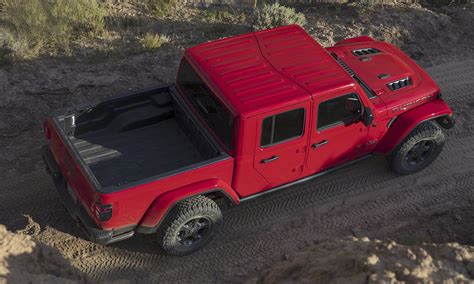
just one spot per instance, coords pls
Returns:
(407, 121)
(163, 204)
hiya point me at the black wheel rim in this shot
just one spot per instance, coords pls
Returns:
(194, 231)
(419, 153)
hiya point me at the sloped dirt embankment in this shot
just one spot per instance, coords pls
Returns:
(360, 260)
(24, 261)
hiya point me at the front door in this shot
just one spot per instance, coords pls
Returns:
(338, 133)
(281, 144)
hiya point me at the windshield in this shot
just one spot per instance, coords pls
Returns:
(217, 116)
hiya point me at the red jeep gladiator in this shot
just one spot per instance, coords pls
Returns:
(248, 115)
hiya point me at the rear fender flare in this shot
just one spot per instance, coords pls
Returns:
(406, 122)
(161, 207)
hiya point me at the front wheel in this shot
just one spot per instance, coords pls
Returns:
(419, 149)
(192, 224)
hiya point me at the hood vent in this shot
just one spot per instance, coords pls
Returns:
(365, 51)
(402, 83)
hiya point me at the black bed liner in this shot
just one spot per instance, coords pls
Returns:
(135, 138)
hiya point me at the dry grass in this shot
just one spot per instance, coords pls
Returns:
(35, 27)
(152, 41)
(160, 8)
(275, 15)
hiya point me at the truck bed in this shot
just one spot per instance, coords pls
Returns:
(123, 157)
(137, 137)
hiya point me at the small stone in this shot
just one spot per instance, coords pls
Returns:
(373, 259)
(391, 245)
(411, 255)
(389, 274)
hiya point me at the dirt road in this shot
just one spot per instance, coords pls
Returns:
(363, 200)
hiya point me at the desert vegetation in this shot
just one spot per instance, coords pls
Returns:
(154, 41)
(31, 29)
(275, 15)
(35, 27)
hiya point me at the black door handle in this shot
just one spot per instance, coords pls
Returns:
(317, 145)
(271, 159)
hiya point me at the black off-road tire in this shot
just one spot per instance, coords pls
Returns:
(187, 214)
(424, 135)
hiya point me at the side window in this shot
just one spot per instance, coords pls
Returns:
(282, 127)
(339, 110)
(217, 116)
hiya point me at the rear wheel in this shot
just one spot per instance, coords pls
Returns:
(192, 224)
(419, 149)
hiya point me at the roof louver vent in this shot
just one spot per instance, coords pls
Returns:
(402, 83)
(365, 51)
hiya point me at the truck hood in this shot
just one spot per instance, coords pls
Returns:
(396, 79)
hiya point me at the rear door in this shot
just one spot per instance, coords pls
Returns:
(281, 143)
(338, 133)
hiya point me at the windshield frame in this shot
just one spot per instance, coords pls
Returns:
(367, 91)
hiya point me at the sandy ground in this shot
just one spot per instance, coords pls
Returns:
(367, 199)
(365, 261)
(24, 261)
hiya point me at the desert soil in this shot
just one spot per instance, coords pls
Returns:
(364, 261)
(367, 199)
(24, 261)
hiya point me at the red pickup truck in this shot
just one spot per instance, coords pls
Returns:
(248, 115)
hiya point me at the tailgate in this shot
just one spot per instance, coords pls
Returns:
(82, 182)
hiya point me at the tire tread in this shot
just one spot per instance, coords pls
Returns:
(428, 129)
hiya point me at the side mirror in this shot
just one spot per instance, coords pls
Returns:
(353, 106)
(367, 117)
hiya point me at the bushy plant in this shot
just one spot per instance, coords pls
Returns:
(37, 26)
(160, 8)
(216, 16)
(153, 41)
(275, 15)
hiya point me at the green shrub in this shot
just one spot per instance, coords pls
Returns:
(275, 15)
(45, 26)
(153, 41)
(160, 8)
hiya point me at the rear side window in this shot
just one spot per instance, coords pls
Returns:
(219, 119)
(282, 127)
(336, 111)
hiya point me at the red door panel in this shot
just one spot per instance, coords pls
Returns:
(283, 161)
(335, 143)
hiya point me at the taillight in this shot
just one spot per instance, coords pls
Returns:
(103, 211)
